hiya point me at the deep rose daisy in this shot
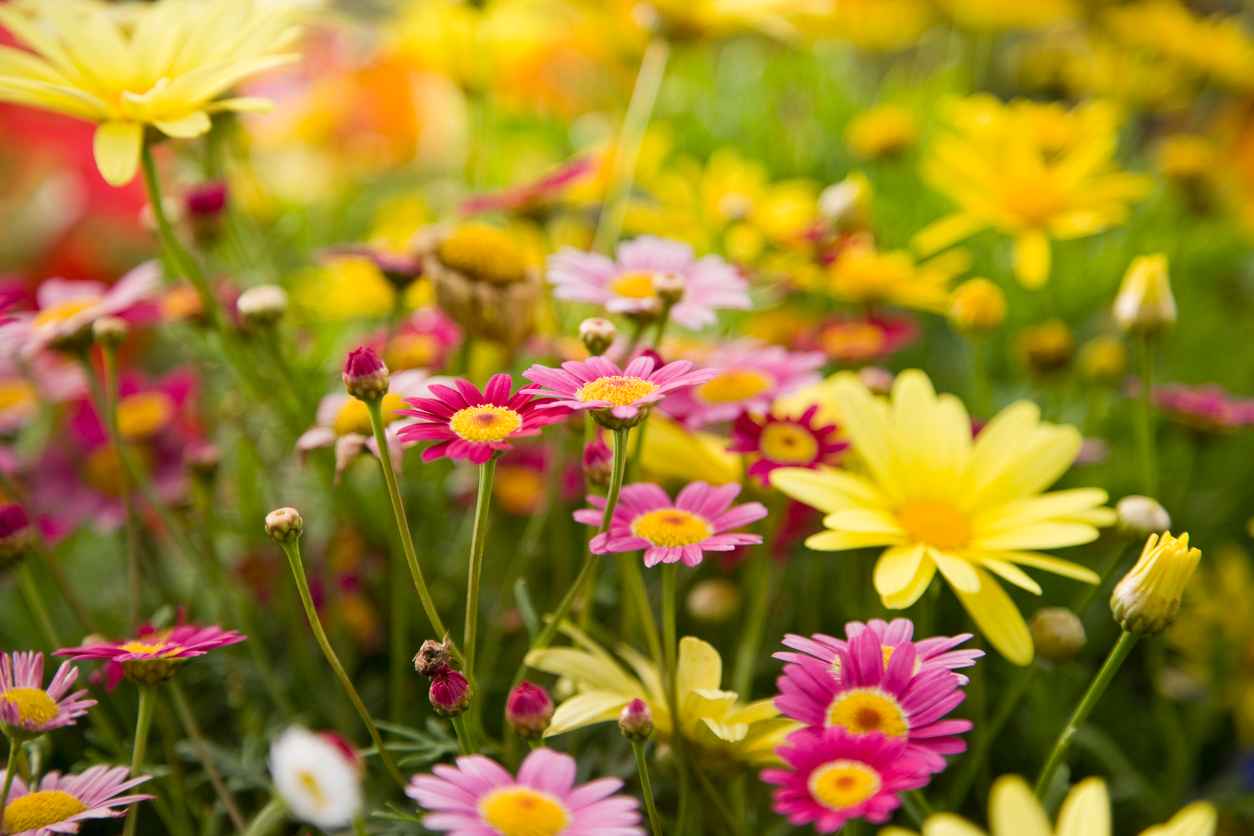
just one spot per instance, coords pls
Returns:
(871, 689)
(478, 797)
(626, 285)
(936, 652)
(750, 376)
(1207, 408)
(861, 339)
(154, 655)
(62, 801)
(26, 706)
(474, 425)
(700, 520)
(617, 397)
(832, 777)
(778, 440)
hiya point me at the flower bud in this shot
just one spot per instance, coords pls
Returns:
(669, 288)
(847, 204)
(645, 311)
(977, 306)
(597, 335)
(1104, 360)
(1058, 634)
(1140, 516)
(109, 330)
(365, 375)
(1148, 597)
(262, 305)
(635, 721)
(284, 525)
(879, 380)
(714, 600)
(206, 200)
(598, 461)
(17, 538)
(449, 693)
(433, 658)
(1047, 347)
(1145, 304)
(529, 710)
(203, 460)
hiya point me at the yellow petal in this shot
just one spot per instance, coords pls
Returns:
(185, 127)
(1032, 258)
(1033, 509)
(828, 490)
(587, 708)
(835, 541)
(1011, 573)
(960, 574)
(588, 671)
(117, 146)
(998, 618)
(1065, 568)
(1014, 811)
(699, 666)
(1043, 535)
(947, 824)
(918, 584)
(945, 232)
(863, 521)
(1198, 819)
(896, 568)
(1086, 810)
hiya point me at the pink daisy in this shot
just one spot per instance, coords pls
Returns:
(750, 376)
(860, 339)
(479, 798)
(473, 425)
(154, 655)
(699, 520)
(533, 196)
(832, 777)
(61, 802)
(626, 285)
(26, 706)
(937, 652)
(1207, 408)
(782, 441)
(872, 687)
(617, 397)
(424, 341)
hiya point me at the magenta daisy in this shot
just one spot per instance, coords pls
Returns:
(783, 441)
(937, 652)
(874, 688)
(750, 376)
(861, 339)
(700, 520)
(62, 801)
(473, 425)
(154, 655)
(1206, 408)
(478, 797)
(617, 397)
(833, 777)
(626, 285)
(27, 707)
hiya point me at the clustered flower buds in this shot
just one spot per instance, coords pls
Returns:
(1058, 634)
(262, 305)
(1140, 516)
(1145, 304)
(1147, 599)
(597, 334)
(529, 710)
(365, 375)
(635, 721)
(284, 525)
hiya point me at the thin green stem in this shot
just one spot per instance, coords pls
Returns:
(670, 572)
(292, 550)
(987, 735)
(1145, 419)
(463, 735)
(478, 543)
(359, 826)
(10, 769)
(1087, 703)
(143, 723)
(646, 787)
(633, 580)
(188, 719)
(35, 602)
(916, 807)
(269, 819)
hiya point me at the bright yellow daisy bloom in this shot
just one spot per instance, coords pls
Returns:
(1014, 811)
(127, 66)
(865, 275)
(939, 500)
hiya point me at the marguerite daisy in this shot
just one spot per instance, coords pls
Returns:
(60, 802)
(318, 776)
(26, 706)
(617, 397)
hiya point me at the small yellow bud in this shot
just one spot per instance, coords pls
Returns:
(1104, 359)
(1047, 347)
(1148, 597)
(1145, 304)
(713, 600)
(977, 305)
(1058, 634)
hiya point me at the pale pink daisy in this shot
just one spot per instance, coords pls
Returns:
(26, 706)
(617, 397)
(61, 802)
(936, 652)
(478, 797)
(626, 285)
(749, 377)
(699, 520)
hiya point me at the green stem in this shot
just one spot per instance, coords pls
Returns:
(269, 819)
(399, 648)
(980, 400)
(1145, 419)
(10, 769)
(987, 735)
(1087, 703)
(633, 580)
(188, 719)
(292, 550)
(669, 641)
(916, 807)
(478, 543)
(143, 723)
(646, 788)
(35, 602)
(463, 736)
(359, 826)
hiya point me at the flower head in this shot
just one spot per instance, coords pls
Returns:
(1147, 598)
(777, 440)
(424, 341)
(860, 339)
(60, 802)
(1207, 408)
(1145, 303)
(882, 131)
(473, 425)
(529, 709)
(318, 776)
(626, 285)
(617, 397)
(365, 375)
(154, 655)
(937, 652)
(700, 519)
(748, 377)
(865, 275)
(977, 305)
(27, 707)
(450, 693)
(478, 796)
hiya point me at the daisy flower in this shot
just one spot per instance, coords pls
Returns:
(777, 440)
(871, 688)
(749, 377)
(626, 285)
(1207, 408)
(617, 397)
(26, 706)
(861, 339)
(937, 652)
(154, 655)
(318, 776)
(61, 802)
(938, 499)
(699, 520)
(472, 425)
(478, 796)
(833, 777)
(424, 341)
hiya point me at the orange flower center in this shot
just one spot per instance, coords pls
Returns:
(619, 390)
(788, 443)
(671, 527)
(936, 523)
(485, 423)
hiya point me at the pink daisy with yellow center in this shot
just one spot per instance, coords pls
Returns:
(473, 425)
(777, 440)
(60, 802)
(936, 652)
(27, 707)
(860, 339)
(749, 376)
(699, 520)
(617, 397)
(154, 655)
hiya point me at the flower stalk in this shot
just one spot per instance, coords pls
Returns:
(143, 724)
(646, 787)
(478, 543)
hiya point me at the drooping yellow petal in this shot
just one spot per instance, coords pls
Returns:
(913, 590)
(960, 574)
(896, 568)
(1014, 811)
(835, 541)
(1032, 258)
(117, 147)
(1198, 819)
(585, 668)
(1086, 810)
(945, 232)
(699, 666)
(185, 127)
(1011, 573)
(998, 619)
(588, 707)
(947, 824)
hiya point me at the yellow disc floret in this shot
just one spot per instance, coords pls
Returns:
(485, 252)
(935, 523)
(842, 784)
(634, 285)
(34, 706)
(865, 710)
(788, 443)
(522, 811)
(671, 527)
(40, 809)
(734, 386)
(485, 423)
(618, 390)
(144, 414)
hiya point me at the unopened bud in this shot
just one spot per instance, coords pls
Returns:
(1058, 634)
(449, 693)
(262, 305)
(17, 538)
(433, 658)
(109, 330)
(977, 306)
(669, 288)
(1147, 599)
(365, 375)
(1104, 359)
(1140, 516)
(1047, 347)
(529, 710)
(645, 310)
(598, 461)
(206, 200)
(713, 600)
(284, 525)
(597, 335)
(635, 721)
(1145, 304)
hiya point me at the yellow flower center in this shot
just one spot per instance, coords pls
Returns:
(518, 488)
(788, 443)
(865, 275)
(354, 417)
(485, 423)
(60, 313)
(935, 523)
(157, 648)
(484, 252)
(634, 285)
(522, 811)
(103, 468)
(34, 706)
(143, 414)
(15, 394)
(671, 527)
(734, 386)
(852, 340)
(842, 784)
(40, 809)
(1034, 199)
(309, 783)
(411, 351)
(865, 710)
(618, 389)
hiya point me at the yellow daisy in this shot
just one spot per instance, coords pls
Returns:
(127, 66)
(865, 275)
(939, 500)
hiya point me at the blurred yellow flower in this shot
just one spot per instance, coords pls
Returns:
(673, 452)
(126, 67)
(1005, 14)
(1218, 47)
(343, 289)
(1033, 171)
(864, 275)
(881, 131)
(882, 25)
